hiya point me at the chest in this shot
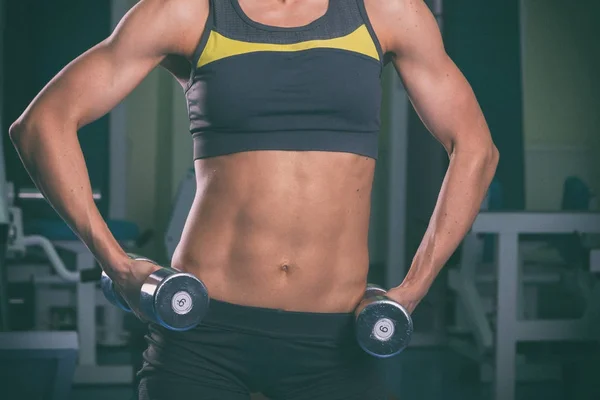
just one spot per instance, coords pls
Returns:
(285, 14)
(320, 81)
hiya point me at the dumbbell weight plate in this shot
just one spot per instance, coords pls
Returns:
(178, 301)
(383, 328)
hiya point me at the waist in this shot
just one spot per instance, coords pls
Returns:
(277, 279)
(277, 261)
(277, 322)
(212, 144)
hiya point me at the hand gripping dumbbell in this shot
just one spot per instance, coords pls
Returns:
(383, 327)
(176, 300)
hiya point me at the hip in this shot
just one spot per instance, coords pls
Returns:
(252, 349)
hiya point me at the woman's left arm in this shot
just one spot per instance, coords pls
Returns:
(445, 102)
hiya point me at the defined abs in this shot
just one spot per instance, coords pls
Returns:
(272, 232)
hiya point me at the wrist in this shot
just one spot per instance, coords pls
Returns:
(422, 272)
(418, 280)
(102, 244)
(113, 260)
(418, 289)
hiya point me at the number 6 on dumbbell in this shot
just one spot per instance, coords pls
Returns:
(176, 300)
(383, 327)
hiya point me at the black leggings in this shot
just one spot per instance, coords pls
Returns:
(239, 350)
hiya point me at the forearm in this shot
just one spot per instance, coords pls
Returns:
(464, 187)
(53, 158)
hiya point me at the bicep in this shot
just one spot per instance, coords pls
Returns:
(440, 94)
(91, 85)
(95, 82)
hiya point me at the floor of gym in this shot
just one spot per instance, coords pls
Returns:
(419, 373)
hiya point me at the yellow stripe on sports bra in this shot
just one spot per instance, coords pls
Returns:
(219, 46)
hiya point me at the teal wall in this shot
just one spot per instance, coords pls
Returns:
(40, 38)
(483, 38)
(561, 100)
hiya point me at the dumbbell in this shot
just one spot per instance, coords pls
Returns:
(383, 327)
(175, 300)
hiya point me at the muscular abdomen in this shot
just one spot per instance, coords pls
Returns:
(280, 229)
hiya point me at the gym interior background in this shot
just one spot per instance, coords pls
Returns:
(503, 321)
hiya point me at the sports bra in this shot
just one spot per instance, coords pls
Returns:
(259, 87)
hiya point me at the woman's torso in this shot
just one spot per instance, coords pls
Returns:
(280, 228)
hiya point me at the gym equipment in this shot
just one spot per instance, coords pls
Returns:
(383, 327)
(178, 301)
(34, 194)
(37, 365)
(57, 286)
(506, 306)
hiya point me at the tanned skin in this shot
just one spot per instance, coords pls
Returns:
(276, 229)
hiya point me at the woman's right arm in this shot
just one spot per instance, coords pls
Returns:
(45, 135)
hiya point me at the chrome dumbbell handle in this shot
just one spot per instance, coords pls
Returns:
(110, 291)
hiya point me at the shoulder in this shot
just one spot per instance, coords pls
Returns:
(184, 11)
(389, 6)
(173, 25)
(173, 12)
(180, 8)
(393, 16)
